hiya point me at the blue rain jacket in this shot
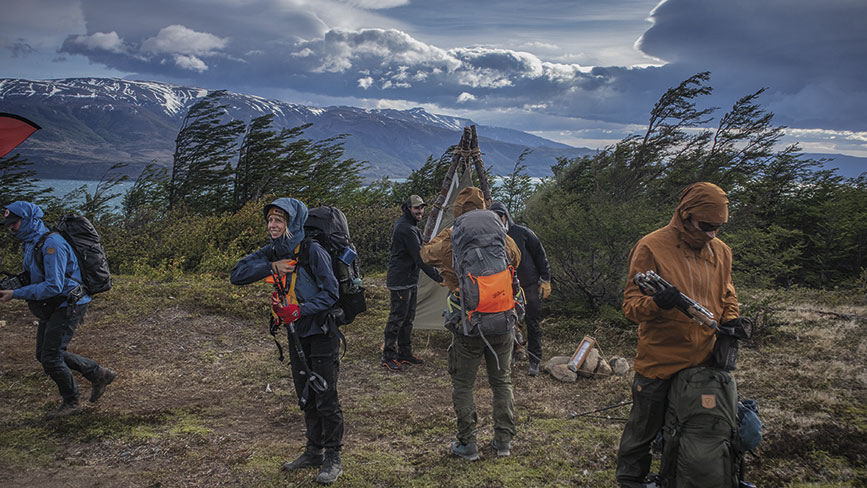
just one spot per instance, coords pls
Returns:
(62, 272)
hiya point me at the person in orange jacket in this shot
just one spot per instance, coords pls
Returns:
(687, 254)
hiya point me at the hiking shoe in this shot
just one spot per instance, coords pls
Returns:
(104, 377)
(533, 370)
(332, 468)
(503, 448)
(66, 409)
(467, 451)
(392, 365)
(311, 457)
(411, 360)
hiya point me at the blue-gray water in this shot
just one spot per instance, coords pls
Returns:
(62, 187)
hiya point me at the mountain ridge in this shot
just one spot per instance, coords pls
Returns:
(91, 123)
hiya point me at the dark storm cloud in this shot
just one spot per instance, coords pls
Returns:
(809, 54)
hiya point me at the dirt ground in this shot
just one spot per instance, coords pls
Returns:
(201, 400)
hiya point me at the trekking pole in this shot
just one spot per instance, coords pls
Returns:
(314, 380)
(601, 409)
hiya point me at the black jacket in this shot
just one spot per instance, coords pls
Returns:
(405, 261)
(534, 262)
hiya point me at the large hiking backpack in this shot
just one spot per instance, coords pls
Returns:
(485, 278)
(87, 246)
(701, 441)
(327, 226)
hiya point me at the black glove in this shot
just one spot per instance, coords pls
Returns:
(741, 327)
(667, 298)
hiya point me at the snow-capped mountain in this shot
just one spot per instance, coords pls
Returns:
(90, 123)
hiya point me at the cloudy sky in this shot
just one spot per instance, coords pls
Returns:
(583, 72)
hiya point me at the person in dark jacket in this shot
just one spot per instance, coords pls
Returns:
(56, 296)
(402, 281)
(534, 273)
(313, 292)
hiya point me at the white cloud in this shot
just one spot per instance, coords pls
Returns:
(177, 39)
(105, 41)
(191, 63)
(466, 97)
(375, 4)
(365, 82)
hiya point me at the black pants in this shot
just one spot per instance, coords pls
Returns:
(322, 413)
(533, 319)
(52, 337)
(649, 401)
(398, 328)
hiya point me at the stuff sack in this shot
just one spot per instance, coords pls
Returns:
(487, 282)
(87, 246)
(327, 225)
(701, 444)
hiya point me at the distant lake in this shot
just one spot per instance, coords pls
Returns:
(62, 187)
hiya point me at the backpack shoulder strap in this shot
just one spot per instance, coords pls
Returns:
(38, 248)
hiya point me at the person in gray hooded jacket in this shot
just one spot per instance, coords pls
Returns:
(315, 292)
(534, 273)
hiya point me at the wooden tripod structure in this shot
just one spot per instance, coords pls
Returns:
(466, 156)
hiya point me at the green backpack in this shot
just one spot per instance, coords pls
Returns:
(701, 444)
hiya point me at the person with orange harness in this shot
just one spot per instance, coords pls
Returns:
(306, 290)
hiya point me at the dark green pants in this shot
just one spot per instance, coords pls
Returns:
(649, 401)
(465, 354)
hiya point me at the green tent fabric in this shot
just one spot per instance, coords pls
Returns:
(431, 295)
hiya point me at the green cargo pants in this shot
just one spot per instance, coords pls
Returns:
(649, 401)
(465, 354)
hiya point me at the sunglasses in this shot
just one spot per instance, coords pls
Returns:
(708, 227)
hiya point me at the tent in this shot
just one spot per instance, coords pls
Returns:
(467, 156)
(14, 129)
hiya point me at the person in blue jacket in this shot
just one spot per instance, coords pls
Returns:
(316, 290)
(57, 298)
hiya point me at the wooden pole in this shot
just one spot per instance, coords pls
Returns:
(447, 182)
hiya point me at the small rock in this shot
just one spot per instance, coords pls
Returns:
(620, 366)
(563, 373)
(2, 323)
(554, 361)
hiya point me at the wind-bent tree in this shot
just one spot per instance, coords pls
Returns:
(201, 166)
(516, 187)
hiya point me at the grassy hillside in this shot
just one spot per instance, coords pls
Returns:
(201, 400)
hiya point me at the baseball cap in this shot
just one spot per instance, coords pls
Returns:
(416, 201)
(9, 217)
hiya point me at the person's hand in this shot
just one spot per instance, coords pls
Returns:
(544, 289)
(284, 266)
(667, 298)
(5, 295)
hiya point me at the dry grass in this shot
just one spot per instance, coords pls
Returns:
(201, 400)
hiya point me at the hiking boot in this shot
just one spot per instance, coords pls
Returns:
(103, 378)
(533, 370)
(467, 451)
(503, 449)
(331, 467)
(411, 360)
(311, 457)
(392, 365)
(66, 409)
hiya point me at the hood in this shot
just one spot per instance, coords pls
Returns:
(32, 226)
(470, 198)
(500, 209)
(705, 202)
(297, 217)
